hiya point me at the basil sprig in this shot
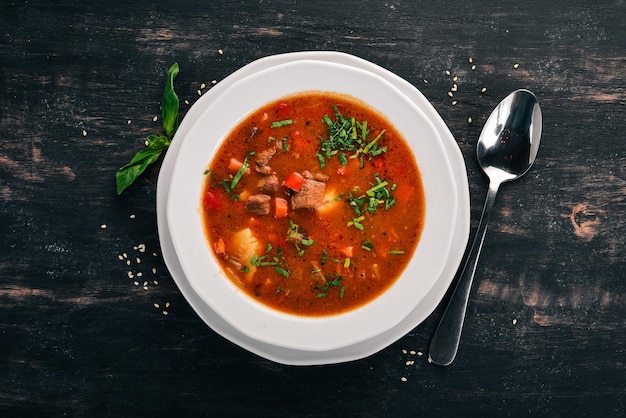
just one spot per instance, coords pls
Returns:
(127, 174)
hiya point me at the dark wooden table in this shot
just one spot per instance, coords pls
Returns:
(80, 84)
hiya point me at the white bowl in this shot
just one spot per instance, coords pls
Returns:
(248, 316)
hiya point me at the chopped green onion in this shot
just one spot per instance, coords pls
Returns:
(279, 123)
(281, 271)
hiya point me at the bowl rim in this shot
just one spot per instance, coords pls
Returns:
(258, 321)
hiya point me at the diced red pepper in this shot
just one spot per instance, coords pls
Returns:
(283, 110)
(294, 181)
(341, 171)
(212, 200)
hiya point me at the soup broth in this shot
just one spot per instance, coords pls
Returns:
(313, 205)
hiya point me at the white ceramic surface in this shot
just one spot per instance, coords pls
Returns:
(201, 267)
(371, 345)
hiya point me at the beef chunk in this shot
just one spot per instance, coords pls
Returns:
(262, 160)
(269, 184)
(310, 196)
(317, 176)
(258, 204)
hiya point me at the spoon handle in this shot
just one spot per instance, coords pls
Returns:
(445, 342)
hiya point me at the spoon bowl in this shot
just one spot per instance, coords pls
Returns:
(509, 141)
(507, 148)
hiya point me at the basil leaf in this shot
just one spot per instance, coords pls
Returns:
(170, 104)
(127, 174)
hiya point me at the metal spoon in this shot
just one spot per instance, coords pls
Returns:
(506, 150)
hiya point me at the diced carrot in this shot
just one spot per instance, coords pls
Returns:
(280, 207)
(234, 165)
(347, 251)
(220, 247)
(294, 181)
(253, 222)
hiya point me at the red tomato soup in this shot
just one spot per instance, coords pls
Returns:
(313, 204)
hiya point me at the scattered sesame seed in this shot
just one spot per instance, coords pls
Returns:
(473, 67)
(419, 353)
(430, 360)
(450, 94)
(219, 51)
(469, 120)
(202, 86)
(130, 275)
(138, 260)
(120, 257)
(516, 65)
(167, 304)
(125, 255)
(425, 81)
(412, 352)
(404, 351)
(128, 262)
(156, 305)
(156, 283)
(454, 102)
(484, 89)
(145, 284)
(155, 254)
(132, 216)
(213, 81)
(139, 274)
(165, 313)
(410, 362)
(186, 101)
(155, 118)
(103, 226)
(129, 121)
(454, 87)
(145, 288)
(514, 321)
(455, 78)
(136, 283)
(84, 132)
(447, 72)
(404, 379)
(142, 248)
(146, 143)
(470, 59)
(154, 270)
(199, 92)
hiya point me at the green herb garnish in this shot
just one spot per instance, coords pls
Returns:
(347, 135)
(335, 282)
(127, 174)
(280, 123)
